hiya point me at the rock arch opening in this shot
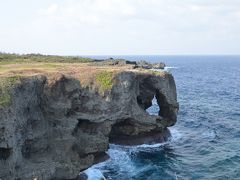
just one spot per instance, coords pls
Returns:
(155, 108)
(153, 103)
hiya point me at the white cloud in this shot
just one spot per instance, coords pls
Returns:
(129, 27)
(89, 11)
(170, 13)
(50, 10)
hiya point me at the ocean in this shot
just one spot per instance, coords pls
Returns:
(205, 142)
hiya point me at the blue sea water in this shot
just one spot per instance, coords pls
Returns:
(205, 141)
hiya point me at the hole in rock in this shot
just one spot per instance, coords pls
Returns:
(125, 127)
(5, 153)
(151, 103)
(154, 109)
(123, 132)
(86, 126)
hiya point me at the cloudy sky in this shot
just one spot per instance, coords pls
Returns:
(120, 27)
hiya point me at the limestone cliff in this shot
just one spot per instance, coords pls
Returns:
(56, 126)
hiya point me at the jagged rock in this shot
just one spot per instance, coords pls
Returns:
(114, 62)
(158, 65)
(82, 176)
(147, 65)
(122, 62)
(55, 128)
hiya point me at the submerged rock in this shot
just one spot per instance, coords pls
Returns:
(55, 127)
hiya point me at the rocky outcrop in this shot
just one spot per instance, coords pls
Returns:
(146, 65)
(55, 127)
(114, 62)
(122, 62)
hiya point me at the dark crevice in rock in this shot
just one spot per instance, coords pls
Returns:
(144, 101)
(122, 128)
(129, 132)
(100, 157)
(151, 137)
(75, 148)
(32, 147)
(86, 126)
(70, 112)
(2, 130)
(5, 153)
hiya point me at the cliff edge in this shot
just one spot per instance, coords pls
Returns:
(58, 119)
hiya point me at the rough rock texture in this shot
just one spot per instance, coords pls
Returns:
(122, 62)
(56, 128)
(147, 65)
(114, 62)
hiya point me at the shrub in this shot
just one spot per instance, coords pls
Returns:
(105, 80)
(6, 83)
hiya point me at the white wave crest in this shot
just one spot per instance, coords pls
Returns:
(211, 134)
(175, 134)
(94, 174)
(171, 67)
(120, 158)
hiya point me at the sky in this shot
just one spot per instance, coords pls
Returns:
(120, 27)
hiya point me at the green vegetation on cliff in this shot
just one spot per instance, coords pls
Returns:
(6, 83)
(31, 58)
(97, 74)
(105, 80)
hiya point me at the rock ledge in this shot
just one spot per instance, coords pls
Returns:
(59, 124)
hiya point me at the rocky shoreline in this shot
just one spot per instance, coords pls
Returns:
(56, 127)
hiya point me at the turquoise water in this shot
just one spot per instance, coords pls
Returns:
(205, 142)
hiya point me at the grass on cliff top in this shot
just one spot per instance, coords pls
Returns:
(6, 83)
(12, 64)
(105, 80)
(159, 73)
(6, 58)
(8, 70)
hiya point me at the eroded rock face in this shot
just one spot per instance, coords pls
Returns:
(53, 130)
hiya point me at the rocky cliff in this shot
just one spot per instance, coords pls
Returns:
(58, 124)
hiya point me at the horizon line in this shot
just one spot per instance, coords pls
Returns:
(2, 52)
(161, 55)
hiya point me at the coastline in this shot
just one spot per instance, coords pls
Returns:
(66, 114)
